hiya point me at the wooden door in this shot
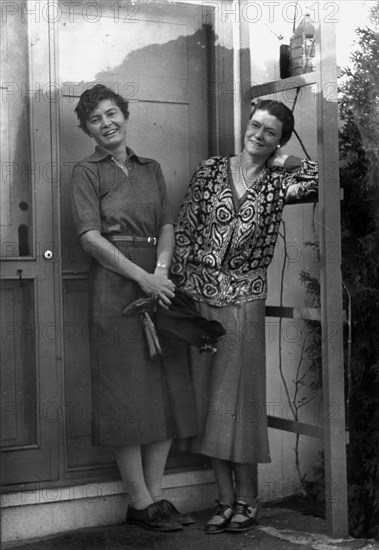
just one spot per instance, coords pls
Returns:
(30, 400)
(155, 55)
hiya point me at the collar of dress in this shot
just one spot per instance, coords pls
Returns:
(101, 154)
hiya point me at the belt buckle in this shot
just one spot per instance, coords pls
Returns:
(152, 240)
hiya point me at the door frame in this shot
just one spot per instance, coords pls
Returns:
(37, 463)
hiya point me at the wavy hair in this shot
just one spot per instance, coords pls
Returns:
(91, 98)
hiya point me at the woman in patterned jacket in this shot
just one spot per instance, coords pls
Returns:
(225, 238)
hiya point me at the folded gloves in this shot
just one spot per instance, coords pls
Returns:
(181, 321)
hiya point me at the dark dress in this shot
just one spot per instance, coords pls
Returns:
(136, 399)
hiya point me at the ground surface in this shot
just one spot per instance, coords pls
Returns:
(279, 528)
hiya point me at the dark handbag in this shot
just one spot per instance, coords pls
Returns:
(181, 322)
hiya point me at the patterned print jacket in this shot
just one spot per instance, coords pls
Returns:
(222, 253)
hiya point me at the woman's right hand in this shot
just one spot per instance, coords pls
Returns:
(111, 258)
(160, 285)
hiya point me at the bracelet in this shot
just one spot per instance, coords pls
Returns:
(162, 266)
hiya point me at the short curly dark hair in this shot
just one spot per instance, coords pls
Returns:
(281, 112)
(91, 98)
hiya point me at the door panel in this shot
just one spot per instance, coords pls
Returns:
(30, 404)
(18, 360)
(16, 197)
(158, 61)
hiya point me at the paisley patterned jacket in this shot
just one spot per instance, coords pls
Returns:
(223, 251)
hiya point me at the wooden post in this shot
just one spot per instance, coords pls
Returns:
(331, 284)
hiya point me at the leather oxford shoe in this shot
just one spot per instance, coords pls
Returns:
(151, 518)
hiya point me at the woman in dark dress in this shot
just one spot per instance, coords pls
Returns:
(225, 239)
(124, 221)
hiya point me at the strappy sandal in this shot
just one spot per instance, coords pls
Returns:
(244, 517)
(220, 519)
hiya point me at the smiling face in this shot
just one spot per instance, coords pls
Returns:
(263, 134)
(107, 125)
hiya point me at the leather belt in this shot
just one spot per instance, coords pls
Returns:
(131, 239)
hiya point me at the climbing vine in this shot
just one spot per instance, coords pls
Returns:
(306, 382)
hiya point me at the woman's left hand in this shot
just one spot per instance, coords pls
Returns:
(162, 271)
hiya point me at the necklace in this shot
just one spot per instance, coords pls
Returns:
(254, 181)
(121, 165)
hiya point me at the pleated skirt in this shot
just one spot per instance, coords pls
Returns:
(135, 399)
(230, 387)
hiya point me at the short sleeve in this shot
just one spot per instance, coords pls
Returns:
(85, 199)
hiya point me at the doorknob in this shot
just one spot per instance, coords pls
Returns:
(48, 254)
